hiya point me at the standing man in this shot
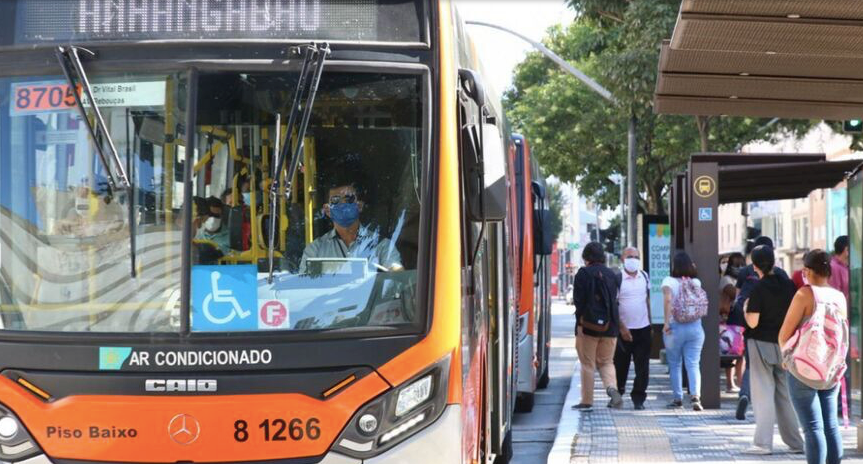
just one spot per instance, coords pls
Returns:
(839, 266)
(839, 279)
(597, 326)
(633, 299)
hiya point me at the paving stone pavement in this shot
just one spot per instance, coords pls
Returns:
(659, 435)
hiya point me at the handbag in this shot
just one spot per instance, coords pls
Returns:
(730, 340)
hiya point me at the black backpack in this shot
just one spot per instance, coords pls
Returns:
(597, 314)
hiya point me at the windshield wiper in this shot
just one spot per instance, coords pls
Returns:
(70, 62)
(72, 67)
(302, 113)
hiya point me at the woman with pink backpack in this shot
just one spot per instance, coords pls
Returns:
(814, 341)
(685, 303)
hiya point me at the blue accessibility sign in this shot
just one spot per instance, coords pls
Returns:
(705, 214)
(224, 298)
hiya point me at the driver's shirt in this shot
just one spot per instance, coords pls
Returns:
(368, 245)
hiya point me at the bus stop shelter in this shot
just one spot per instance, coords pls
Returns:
(784, 59)
(713, 179)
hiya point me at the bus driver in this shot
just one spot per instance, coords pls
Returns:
(349, 239)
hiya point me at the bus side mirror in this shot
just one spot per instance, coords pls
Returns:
(494, 154)
(542, 240)
(472, 86)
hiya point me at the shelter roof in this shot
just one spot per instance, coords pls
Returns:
(765, 58)
(762, 177)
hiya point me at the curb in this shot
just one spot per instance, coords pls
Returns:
(570, 420)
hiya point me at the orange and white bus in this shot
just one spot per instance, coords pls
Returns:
(251, 230)
(530, 250)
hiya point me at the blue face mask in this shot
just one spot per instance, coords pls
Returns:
(247, 198)
(345, 214)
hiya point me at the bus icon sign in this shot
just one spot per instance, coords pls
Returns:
(273, 314)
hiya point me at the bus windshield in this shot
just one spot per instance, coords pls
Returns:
(346, 236)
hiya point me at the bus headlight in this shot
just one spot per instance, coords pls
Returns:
(16, 444)
(413, 395)
(396, 414)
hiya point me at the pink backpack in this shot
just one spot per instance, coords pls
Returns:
(815, 354)
(690, 302)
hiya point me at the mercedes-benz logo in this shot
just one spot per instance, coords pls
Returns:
(184, 429)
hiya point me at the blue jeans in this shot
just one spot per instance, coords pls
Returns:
(816, 411)
(683, 346)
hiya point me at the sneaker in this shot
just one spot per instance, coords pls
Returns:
(583, 407)
(675, 404)
(639, 407)
(742, 404)
(757, 450)
(616, 399)
(696, 404)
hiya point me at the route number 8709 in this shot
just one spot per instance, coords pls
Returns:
(280, 429)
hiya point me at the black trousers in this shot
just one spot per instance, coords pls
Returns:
(637, 351)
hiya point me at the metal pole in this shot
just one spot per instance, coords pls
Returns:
(633, 193)
(553, 57)
(623, 228)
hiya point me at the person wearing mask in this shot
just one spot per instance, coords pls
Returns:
(730, 316)
(208, 225)
(348, 239)
(765, 311)
(683, 339)
(817, 409)
(594, 291)
(747, 279)
(633, 345)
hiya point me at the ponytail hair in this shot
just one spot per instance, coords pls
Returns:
(818, 261)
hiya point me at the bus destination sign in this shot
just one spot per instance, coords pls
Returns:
(82, 21)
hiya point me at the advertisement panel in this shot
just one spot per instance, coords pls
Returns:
(656, 252)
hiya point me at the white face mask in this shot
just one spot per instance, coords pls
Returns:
(212, 224)
(632, 264)
(723, 267)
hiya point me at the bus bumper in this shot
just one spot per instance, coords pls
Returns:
(439, 443)
(526, 370)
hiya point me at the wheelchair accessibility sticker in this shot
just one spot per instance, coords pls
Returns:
(224, 298)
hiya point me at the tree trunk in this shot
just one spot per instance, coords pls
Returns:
(654, 199)
(703, 123)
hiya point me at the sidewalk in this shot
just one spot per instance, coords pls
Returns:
(660, 435)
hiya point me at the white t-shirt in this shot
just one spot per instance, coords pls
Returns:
(674, 284)
(632, 301)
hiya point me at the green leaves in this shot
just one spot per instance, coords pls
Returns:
(580, 137)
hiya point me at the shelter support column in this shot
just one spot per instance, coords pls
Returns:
(703, 247)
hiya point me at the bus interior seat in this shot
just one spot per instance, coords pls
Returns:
(234, 221)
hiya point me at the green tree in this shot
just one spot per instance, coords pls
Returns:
(578, 136)
(555, 205)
